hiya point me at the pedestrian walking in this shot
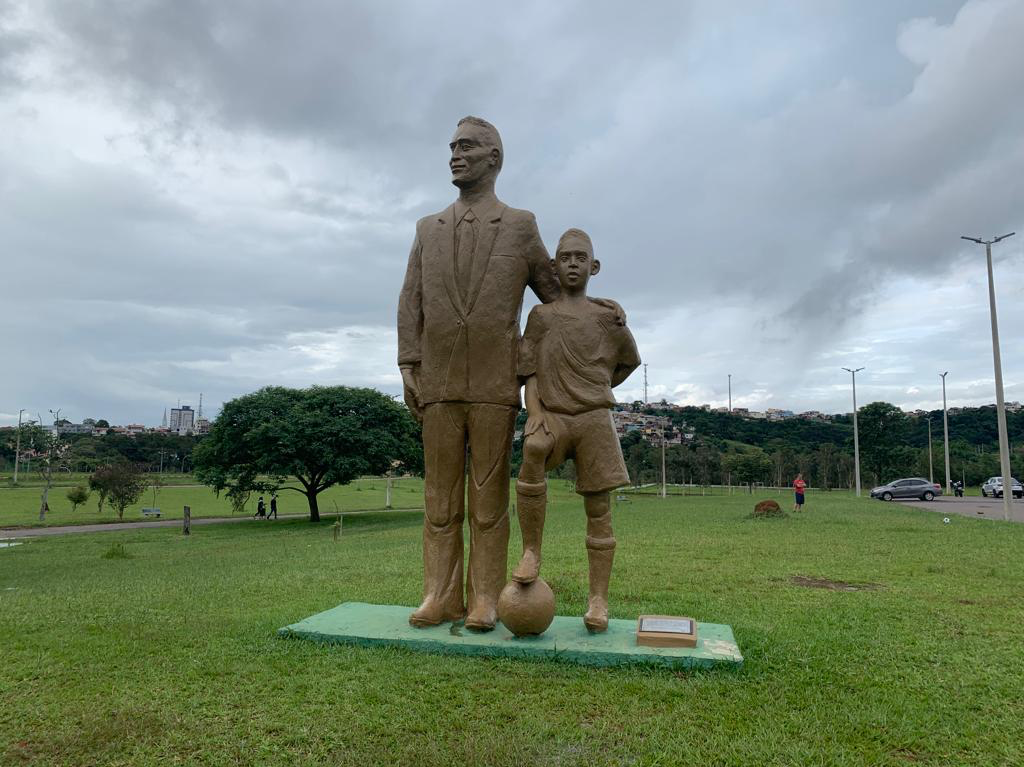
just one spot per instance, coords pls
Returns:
(273, 507)
(261, 509)
(799, 486)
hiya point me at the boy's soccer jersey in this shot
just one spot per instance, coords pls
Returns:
(575, 357)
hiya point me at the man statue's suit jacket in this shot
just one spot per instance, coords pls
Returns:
(466, 350)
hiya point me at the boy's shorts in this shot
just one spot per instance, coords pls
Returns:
(590, 439)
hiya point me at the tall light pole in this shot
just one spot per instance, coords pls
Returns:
(663, 461)
(1004, 442)
(856, 439)
(931, 474)
(730, 392)
(945, 429)
(17, 447)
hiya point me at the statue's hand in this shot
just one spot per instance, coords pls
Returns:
(411, 392)
(536, 422)
(607, 303)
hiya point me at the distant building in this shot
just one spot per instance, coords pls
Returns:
(182, 420)
(813, 415)
(202, 426)
(66, 427)
(777, 414)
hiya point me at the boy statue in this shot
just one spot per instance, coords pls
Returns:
(573, 353)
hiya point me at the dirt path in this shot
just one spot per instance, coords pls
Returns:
(32, 532)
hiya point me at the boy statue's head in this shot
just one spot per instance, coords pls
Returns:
(574, 261)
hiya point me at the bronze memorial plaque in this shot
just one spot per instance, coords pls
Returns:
(666, 631)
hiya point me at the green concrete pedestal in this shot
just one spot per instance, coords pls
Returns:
(358, 623)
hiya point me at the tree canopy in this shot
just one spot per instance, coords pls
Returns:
(322, 436)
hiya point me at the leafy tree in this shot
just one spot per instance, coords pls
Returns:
(102, 424)
(882, 432)
(78, 495)
(639, 461)
(322, 436)
(120, 483)
(100, 482)
(748, 467)
(50, 451)
(826, 459)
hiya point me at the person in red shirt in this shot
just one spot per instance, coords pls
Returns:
(798, 487)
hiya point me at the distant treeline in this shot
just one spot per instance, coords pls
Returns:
(87, 452)
(729, 448)
(726, 448)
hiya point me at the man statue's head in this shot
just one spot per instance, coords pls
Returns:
(476, 153)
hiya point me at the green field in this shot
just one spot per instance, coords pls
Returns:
(19, 507)
(170, 657)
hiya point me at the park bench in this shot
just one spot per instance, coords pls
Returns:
(146, 512)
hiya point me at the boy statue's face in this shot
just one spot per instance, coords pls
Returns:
(574, 265)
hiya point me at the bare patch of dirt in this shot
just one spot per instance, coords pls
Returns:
(825, 583)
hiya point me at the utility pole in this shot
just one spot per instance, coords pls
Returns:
(645, 383)
(945, 429)
(17, 447)
(730, 392)
(856, 439)
(931, 474)
(1004, 442)
(663, 461)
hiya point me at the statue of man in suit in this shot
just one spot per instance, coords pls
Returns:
(458, 339)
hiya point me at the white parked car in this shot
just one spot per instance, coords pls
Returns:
(993, 488)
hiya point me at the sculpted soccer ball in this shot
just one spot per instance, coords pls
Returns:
(526, 609)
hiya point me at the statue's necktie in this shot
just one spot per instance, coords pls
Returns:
(465, 247)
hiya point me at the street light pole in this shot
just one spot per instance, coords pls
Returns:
(1004, 442)
(856, 439)
(17, 447)
(931, 474)
(945, 429)
(730, 392)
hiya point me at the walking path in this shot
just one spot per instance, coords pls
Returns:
(971, 506)
(32, 532)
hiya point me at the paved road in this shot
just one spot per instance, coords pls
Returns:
(971, 506)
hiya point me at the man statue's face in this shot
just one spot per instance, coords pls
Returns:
(473, 159)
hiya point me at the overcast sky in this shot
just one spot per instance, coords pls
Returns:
(216, 196)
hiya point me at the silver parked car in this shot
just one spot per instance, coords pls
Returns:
(993, 488)
(907, 488)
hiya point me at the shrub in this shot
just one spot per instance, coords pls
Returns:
(78, 495)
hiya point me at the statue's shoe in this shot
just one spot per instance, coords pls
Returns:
(483, 617)
(431, 613)
(596, 619)
(528, 569)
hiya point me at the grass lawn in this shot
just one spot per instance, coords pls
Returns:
(169, 657)
(19, 507)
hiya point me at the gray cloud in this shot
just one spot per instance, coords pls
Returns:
(216, 196)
